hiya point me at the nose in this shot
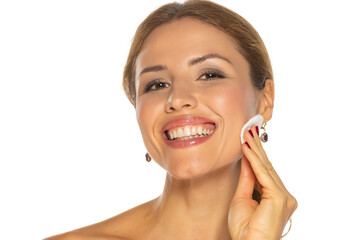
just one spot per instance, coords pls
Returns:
(180, 98)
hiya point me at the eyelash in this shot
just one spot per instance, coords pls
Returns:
(211, 73)
(214, 72)
(153, 83)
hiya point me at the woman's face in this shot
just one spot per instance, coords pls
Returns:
(191, 77)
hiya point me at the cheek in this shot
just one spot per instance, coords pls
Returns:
(146, 112)
(231, 102)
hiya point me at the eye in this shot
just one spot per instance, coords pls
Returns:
(156, 85)
(210, 74)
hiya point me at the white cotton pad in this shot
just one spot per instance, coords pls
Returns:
(257, 120)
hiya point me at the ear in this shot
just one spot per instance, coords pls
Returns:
(266, 100)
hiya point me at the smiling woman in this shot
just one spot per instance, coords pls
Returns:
(227, 101)
(196, 73)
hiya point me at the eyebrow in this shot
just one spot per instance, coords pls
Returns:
(158, 68)
(206, 57)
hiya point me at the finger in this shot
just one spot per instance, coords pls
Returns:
(259, 187)
(261, 173)
(246, 182)
(268, 178)
(255, 144)
(254, 139)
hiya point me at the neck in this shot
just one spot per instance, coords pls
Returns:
(200, 206)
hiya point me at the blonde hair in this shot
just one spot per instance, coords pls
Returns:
(247, 40)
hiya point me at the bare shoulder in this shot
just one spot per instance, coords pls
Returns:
(74, 235)
(124, 226)
(67, 236)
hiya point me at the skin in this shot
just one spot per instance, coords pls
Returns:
(208, 190)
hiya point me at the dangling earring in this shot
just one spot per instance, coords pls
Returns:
(264, 136)
(147, 157)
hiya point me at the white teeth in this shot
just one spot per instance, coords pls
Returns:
(180, 133)
(185, 138)
(199, 130)
(193, 131)
(187, 131)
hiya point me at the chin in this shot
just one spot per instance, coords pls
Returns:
(192, 168)
(188, 169)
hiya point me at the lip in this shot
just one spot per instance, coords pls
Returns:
(182, 122)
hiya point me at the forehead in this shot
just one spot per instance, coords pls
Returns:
(178, 41)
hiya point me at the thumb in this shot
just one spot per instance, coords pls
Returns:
(246, 182)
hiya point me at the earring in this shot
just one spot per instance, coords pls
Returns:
(147, 157)
(264, 136)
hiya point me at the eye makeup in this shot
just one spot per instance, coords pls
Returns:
(207, 74)
(151, 84)
(211, 73)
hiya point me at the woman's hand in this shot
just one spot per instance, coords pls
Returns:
(249, 220)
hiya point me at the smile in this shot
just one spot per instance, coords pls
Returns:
(188, 131)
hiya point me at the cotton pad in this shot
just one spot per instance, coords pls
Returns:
(257, 120)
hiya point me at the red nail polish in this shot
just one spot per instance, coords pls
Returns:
(247, 145)
(257, 130)
(251, 133)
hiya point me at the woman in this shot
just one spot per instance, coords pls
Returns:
(196, 73)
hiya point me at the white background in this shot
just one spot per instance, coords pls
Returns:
(71, 153)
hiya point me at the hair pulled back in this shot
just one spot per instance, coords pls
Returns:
(248, 41)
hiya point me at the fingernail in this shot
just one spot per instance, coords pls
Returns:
(251, 133)
(257, 130)
(247, 145)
